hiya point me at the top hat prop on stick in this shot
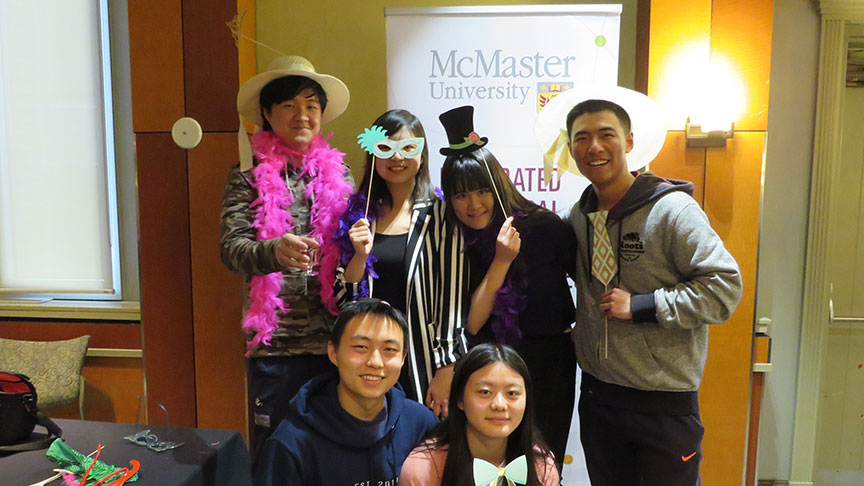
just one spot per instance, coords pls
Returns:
(462, 139)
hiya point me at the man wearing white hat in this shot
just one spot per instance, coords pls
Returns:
(279, 212)
(651, 274)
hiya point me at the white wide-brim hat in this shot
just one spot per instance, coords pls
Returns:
(647, 122)
(248, 96)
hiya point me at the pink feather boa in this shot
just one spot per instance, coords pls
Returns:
(328, 190)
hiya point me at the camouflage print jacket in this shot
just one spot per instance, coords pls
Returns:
(305, 329)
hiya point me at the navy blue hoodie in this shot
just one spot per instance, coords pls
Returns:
(319, 443)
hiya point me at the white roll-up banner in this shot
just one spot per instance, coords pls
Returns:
(508, 62)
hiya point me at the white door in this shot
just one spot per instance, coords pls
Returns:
(839, 459)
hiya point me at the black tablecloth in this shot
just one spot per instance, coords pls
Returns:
(208, 457)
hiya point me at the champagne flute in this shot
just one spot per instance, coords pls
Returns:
(312, 267)
(312, 253)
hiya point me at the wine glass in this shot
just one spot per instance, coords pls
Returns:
(312, 267)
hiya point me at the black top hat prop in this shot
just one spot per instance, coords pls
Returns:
(459, 124)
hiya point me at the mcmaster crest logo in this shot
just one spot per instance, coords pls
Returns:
(547, 91)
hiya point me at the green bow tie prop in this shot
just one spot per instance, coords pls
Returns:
(486, 474)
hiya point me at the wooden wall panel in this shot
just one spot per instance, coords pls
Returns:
(733, 184)
(676, 161)
(210, 64)
(217, 293)
(102, 334)
(741, 33)
(676, 25)
(196, 49)
(111, 392)
(113, 384)
(166, 286)
(643, 36)
(732, 193)
(248, 62)
(156, 54)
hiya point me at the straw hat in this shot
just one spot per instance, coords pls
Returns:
(248, 102)
(648, 124)
(247, 98)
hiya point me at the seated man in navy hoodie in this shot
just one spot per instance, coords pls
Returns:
(350, 427)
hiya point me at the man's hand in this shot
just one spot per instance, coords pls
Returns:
(438, 395)
(616, 303)
(361, 237)
(291, 251)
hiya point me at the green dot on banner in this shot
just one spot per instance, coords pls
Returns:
(600, 41)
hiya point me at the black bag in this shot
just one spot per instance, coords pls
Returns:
(19, 416)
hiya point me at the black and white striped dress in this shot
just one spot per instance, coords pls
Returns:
(436, 301)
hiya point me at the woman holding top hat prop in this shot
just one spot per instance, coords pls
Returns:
(489, 437)
(281, 205)
(519, 256)
(394, 247)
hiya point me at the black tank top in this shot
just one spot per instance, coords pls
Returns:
(389, 250)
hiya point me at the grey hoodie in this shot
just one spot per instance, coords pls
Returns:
(679, 275)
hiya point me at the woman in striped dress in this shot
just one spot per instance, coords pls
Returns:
(395, 246)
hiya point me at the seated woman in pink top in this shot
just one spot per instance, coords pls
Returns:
(491, 418)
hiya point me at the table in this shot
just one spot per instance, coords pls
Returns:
(208, 457)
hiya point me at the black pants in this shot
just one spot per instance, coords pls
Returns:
(628, 448)
(552, 364)
(273, 381)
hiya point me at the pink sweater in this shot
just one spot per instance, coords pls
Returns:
(425, 466)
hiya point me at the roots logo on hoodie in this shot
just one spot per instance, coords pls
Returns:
(631, 247)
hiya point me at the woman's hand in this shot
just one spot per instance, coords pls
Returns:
(506, 249)
(361, 238)
(508, 243)
(438, 394)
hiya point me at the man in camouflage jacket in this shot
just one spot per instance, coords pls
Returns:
(289, 101)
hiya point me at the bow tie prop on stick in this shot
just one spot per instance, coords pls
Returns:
(486, 474)
(603, 264)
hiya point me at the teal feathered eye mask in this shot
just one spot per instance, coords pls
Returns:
(374, 141)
